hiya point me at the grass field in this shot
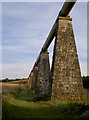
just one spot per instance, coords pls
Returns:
(19, 102)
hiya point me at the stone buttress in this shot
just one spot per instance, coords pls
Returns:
(66, 80)
(29, 81)
(34, 78)
(43, 80)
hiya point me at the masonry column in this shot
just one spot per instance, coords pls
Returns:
(43, 80)
(34, 78)
(67, 81)
(29, 81)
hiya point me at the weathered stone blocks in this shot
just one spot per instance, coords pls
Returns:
(66, 81)
(34, 78)
(43, 79)
(29, 81)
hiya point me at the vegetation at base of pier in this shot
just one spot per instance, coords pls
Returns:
(14, 108)
(85, 81)
(21, 103)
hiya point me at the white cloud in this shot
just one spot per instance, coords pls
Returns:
(83, 67)
(13, 48)
(23, 70)
(27, 47)
(0, 40)
(43, 0)
(0, 31)
(32, 23)
(16, 70)
(81, 43)
(79, 15)
(0, 70)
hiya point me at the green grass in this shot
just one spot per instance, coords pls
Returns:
(24, 93)
(14, 108)
(23, 105)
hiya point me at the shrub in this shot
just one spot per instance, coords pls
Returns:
(86, 82)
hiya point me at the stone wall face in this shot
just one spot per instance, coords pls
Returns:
(67, 82)
(34, 78)
(43, 80)
(29, 81)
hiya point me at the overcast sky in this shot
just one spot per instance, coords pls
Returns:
(25, 27)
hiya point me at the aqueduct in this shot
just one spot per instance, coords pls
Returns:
(63, 80)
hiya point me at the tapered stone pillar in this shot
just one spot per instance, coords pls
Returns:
(34, 78)
(29, 81)
(67, 81)
(43, 80)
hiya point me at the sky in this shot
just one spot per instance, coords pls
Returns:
(25, 27)
(88, 38)
(42, 0)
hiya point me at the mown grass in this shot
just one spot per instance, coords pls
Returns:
(22, 104)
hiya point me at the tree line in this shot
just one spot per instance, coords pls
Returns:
(85, 80)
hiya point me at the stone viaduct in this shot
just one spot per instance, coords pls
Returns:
(63, 81)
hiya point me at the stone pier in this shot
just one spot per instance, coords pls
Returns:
(29, 81)
(34, 78)
(43, 80)
(66, 80)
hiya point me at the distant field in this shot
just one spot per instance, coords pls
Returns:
(87, 93)
(20, 102)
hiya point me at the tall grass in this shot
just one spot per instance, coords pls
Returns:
(22, 104)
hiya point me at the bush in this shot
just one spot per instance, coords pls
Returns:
(85, 82)
(5, 80)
